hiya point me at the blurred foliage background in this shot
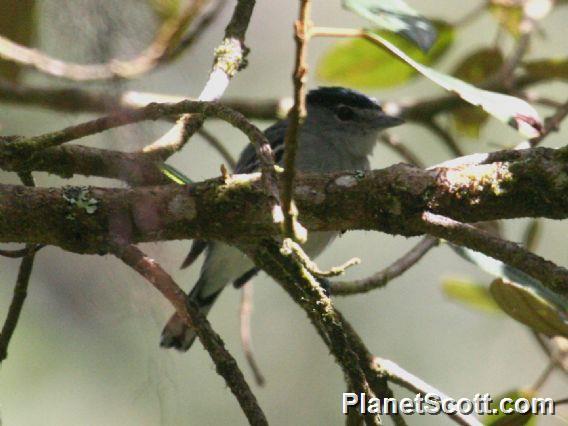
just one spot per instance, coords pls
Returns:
(86, 349)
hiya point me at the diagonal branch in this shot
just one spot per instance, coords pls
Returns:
(153, 111)
(225, 364)
(382, 278)
(230, 58)
(20, 289)
(18, 299)
(551, 275)
(306, 291)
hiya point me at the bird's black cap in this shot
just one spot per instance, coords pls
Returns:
(330, 97)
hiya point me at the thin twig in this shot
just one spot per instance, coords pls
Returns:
(393, 143)
(445, 136)
(200, 28)
(20, 289)
(551, 124)
(296, 116)
(506, 74)
(225, 363)
(382, 278)
(290, 247)
(166, 37)
(246, 341)
(545, 375)
(552, 349)
(18, 299)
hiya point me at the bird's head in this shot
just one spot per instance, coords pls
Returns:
(348, 117)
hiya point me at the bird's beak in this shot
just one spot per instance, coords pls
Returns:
(385, 121)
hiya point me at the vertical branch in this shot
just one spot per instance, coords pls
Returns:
(20, 289)
(296, 116)
(20, 293)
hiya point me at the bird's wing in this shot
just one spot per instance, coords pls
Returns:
(248, 163)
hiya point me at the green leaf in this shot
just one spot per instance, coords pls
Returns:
(547, 69)
(476, 68)
(470, 294)
(532, 306)
(396, 16)
(521, 296)
(358, 63)
(508, 109)
(513, 419)
(17, 23)
(174, 174)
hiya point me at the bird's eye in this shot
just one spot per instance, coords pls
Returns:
(344, 113)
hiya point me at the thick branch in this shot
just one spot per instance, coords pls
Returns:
(67, 160)
(532, 183)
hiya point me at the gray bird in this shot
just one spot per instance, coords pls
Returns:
(339, 133)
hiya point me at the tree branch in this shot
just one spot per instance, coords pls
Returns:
(306, 291)
(551, 275)
(296, 117)
(382, 278)
(18, 299)
(166, 37)
(225, 364)
(230, 57)
(531, 183)
(67, 160)
(20, 289)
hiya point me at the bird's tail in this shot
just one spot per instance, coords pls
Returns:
(176, 334)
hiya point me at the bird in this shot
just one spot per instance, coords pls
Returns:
(339, 133)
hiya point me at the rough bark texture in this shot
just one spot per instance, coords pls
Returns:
(533, 183)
